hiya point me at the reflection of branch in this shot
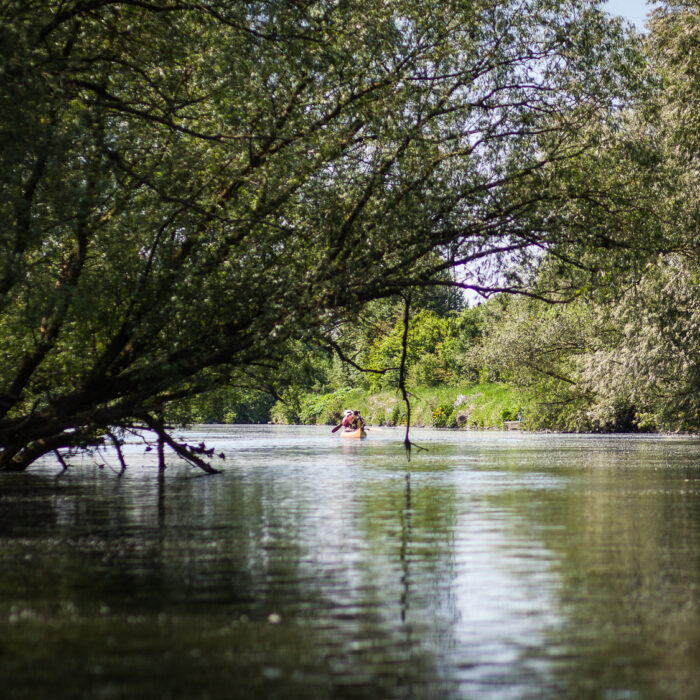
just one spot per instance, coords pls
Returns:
(404, 553)
(408, 445)
(161, 455)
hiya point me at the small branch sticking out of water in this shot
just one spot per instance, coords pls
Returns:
(118, 446)
(408, 445)
(181, 449)
(61, 461)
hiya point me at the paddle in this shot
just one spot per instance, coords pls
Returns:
(337, 427)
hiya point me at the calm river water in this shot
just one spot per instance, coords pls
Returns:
(493, 565)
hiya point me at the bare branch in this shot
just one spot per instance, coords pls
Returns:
(408, 444)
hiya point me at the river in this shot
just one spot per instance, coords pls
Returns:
(499, 565)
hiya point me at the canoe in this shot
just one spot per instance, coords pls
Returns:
(359, 433)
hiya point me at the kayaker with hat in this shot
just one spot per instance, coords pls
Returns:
(348, 419)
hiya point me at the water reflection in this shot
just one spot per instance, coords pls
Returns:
(491, 566)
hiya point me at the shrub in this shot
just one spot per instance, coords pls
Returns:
(442, 416)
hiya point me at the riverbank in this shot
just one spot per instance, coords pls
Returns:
(476, 406)
(481, 406)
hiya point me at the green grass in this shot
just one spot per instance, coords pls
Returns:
(485, 405)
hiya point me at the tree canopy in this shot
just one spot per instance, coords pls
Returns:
(188, 185)
(625, 354)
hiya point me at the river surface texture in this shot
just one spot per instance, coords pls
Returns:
(492, 565)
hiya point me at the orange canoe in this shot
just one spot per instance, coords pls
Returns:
(359, 433)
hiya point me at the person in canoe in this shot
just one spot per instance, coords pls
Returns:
(352, 420)
(358, 421)
(348, 420)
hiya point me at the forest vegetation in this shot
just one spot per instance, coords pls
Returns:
(240, 211)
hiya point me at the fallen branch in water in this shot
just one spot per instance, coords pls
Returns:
(187, 452)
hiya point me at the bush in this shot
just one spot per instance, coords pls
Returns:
(442, 416)
(509, 414)
(325, 409)
(288, 409)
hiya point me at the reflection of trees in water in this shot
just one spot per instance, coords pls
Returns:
(409, 527)
(151, 542)
(625, 532)
(356, 577)
(26, 502)
(361, 567)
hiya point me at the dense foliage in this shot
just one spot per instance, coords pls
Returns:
(189, 189)
(627, 356)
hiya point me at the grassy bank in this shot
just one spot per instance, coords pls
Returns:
(485, 405)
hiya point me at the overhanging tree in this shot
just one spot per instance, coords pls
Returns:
(187, 185)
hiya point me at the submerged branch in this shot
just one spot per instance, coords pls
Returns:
(61, 461)
(181, 449)
(118, 447)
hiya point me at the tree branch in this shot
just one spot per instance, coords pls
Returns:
(408, 445)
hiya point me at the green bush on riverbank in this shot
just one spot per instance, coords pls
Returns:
(485, 405)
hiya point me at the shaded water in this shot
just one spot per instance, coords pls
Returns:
(494, 565)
